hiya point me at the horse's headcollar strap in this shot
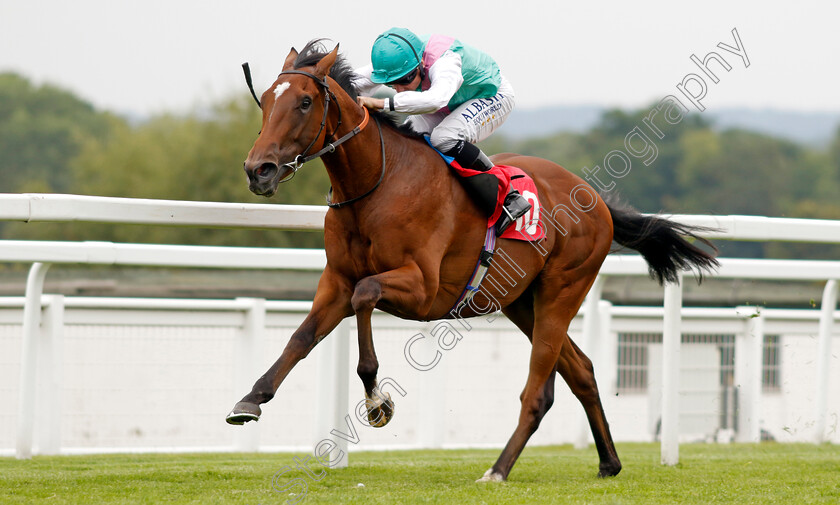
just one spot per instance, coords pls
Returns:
(329, 147)
(246, 69)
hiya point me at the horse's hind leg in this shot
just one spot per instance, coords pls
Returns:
(576, 369)
(543, 313)
(548, 337)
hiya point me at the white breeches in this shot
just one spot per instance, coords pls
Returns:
(472, 121)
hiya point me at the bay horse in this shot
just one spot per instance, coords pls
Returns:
(403, 236)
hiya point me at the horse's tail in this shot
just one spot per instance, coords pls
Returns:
(662, 243)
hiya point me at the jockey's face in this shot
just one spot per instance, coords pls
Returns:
(410, 86)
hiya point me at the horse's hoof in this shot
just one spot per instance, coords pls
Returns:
(380, 410)
(491, 476)
(609, 469)
(243, 412)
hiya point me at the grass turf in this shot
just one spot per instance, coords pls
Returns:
(761, 474)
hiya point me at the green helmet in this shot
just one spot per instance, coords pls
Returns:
(395, 53)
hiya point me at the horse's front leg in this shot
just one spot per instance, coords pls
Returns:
(330, 306)
(403, 287)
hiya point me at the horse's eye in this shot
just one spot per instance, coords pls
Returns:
(305, 104)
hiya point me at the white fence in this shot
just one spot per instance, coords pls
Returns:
(250, 335)
(151, 374)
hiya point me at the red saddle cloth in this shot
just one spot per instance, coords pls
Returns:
(527, 227)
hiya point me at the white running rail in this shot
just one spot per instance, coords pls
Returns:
(43, 207)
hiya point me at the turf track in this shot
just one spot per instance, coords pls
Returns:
(761, 474)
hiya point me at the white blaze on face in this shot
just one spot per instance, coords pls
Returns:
(283, 86)
(278, 91)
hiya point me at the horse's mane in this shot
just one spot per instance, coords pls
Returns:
(344, 74)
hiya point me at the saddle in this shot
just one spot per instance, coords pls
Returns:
(525, 228)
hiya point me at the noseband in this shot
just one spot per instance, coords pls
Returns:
(329, 147)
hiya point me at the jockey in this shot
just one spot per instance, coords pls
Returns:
(454, 93)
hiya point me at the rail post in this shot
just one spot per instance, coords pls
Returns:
(432, 416)
(827, 307)
(29, 359)
(749, 346)
(606, 365)
(50, 374)
(333, 389)
(588, 343)
(247, 437)
(671, 336)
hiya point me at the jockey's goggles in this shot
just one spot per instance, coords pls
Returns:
(406, 79)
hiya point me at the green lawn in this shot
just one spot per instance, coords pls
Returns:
(765, 473)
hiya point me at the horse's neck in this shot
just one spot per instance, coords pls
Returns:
(357, 165)
(354, 167)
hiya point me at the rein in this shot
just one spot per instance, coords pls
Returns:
(329, 147)
(381, 175)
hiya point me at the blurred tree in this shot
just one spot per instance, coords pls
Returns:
(50, 141)
(740, 172)
(196, 157)
(649, 188)
(701, 170)
(41, 130)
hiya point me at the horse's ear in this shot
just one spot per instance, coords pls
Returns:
(290, 59)
(322, 68)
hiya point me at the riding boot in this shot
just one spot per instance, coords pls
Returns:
(484, 187)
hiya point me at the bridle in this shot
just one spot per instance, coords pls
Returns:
(329, 147)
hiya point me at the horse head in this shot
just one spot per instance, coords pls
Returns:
(291, 109)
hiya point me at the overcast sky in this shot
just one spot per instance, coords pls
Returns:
(149, 56)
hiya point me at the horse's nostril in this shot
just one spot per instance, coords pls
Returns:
(265, 170)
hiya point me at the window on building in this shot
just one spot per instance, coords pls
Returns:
(633, 359)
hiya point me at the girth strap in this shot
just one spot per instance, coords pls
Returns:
(480, 272)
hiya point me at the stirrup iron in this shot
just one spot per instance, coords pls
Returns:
(515, 206)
